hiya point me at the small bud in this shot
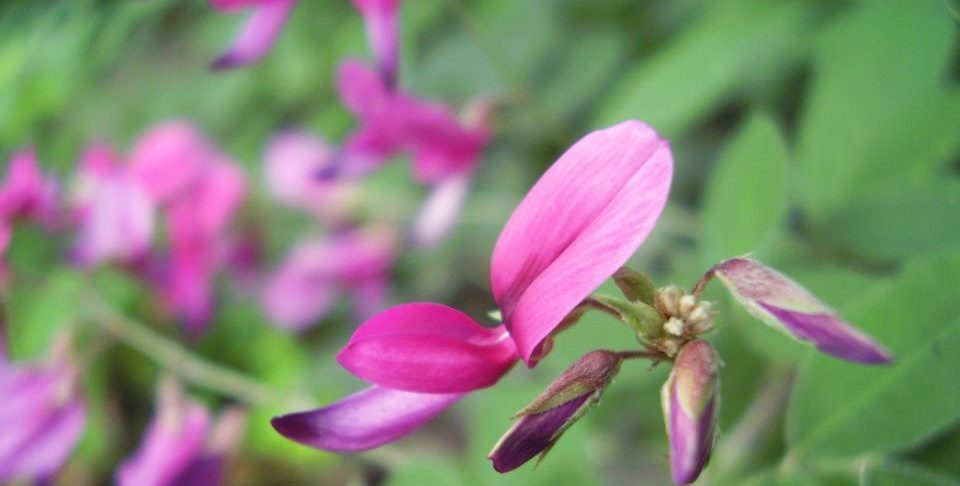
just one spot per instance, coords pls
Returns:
(668, 300)
(689, 399)
(784, 304)
(687, 303)
(567, 399)
(635, 286)
(674, 326)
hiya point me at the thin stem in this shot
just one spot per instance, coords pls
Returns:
(640, 354)
(178, 360)
(702, 283)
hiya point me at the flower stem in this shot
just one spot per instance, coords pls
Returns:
(178, 360)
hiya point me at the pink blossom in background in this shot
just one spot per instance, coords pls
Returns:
(316, 271)
(380, 18)
(577, 225)
(294, 166)
(26, 192)
(42, 417)
(392, 122)
(181, 446)
(259, 32)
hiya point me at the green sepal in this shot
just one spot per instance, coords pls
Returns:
(636, 286)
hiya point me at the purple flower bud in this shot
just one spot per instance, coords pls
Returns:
(782, 303)
(689, 399)
(567, 399)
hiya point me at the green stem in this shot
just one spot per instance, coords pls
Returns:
(178, 360)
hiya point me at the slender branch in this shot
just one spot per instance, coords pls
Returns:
(641, 354)
(702, 283)
(178, 360)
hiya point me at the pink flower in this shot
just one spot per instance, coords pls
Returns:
(294, 166)
(258, 34)
(392, 122)
(690, 409)
(578, 224)
(41, 420)
(26, 193)
(263, 27)
(180, 446)
(303, 289)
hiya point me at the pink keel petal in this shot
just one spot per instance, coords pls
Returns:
(364, 420)
(428, 348)
(258, 35)
(581, 221)
(782, 303)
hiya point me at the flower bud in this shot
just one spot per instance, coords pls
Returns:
(689, 399)
(567, 399)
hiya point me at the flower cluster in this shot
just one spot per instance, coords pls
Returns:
(575, 228)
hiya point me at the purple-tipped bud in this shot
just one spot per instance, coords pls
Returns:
(783, 303)
(689, 399)
(567, 399)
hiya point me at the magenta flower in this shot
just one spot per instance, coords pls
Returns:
(198, 247)
(689, 398)
(380, 17)
(180, 445)
(294, 165)
(306, 284)
(258, 34)
(392, 122)
(782, 303)
(26, 192)
(41, 420)
(578, 224)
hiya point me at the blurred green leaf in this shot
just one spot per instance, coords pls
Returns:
(879, 111)
(891, 473)
(697, 72)
(844, 409)
(580, 71)
(745, 200)
(37, 314)
(904, 220)
(422, 472)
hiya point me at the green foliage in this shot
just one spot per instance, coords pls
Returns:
(844, 409)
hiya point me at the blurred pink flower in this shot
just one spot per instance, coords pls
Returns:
(302, 290)
(26, 192)
(294, 168)
(579, 223)
(264, 25)
(42, 418)
(180, 446)
(392, 122)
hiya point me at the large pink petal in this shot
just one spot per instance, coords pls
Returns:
(258, 35)
(364, 420)
(580, 222)
(429, 348)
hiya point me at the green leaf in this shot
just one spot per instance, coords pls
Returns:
(903, 220)
(846, 409)
(746, 197)
(695, 74)
(879, 111)
(36, 315)
(896, 473)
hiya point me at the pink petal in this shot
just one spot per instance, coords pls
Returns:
(364, 420)
(294, 298)
(258, 35)
(362, 91)
(231, 5)
(443, 147)
(117, 223)
(428, 348)
(174, 439)
(440, 212)
(580, 222)
(782, 303)
(168, 158)
(293, 161)
(26, 193)
(380, 17)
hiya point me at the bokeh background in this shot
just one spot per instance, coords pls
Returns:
(822, 136)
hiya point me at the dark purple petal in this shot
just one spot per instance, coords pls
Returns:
(364, 420)
(689, 400)
(533, 434)
(830, 335)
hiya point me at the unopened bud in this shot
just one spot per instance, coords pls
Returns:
(568, 398)
(689, 399)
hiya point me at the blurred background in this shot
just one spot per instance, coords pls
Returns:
(822, 136)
